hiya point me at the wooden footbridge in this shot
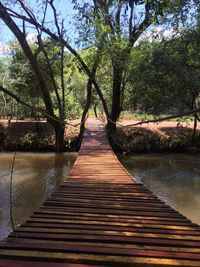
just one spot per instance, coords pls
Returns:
(101, 216)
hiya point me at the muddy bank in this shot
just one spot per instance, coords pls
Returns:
(155, 138)
(34, 136)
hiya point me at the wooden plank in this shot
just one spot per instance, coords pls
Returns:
(29, 263)
(123, 239)
(99, 250)
(61, 224)
(99, 259)
(110, 245)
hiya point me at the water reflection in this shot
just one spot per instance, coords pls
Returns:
(35, 176)
(175, 178)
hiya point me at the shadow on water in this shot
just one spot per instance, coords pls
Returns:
(175, 178)
(35, 176)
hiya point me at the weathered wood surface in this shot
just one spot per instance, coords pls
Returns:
(100, 216)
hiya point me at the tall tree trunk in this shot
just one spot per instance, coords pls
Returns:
(59, 130)
(116, 98)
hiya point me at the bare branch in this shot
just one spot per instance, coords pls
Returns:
(55, 17)
(51, 74)
(192, 112)
(45, 12)
(137, 31)
(24, 27)
(118, 14)
(27, 10)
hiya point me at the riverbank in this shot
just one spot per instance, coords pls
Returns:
(28, 135)
(167, 136)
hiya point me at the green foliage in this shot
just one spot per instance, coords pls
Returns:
(71, 143)
(21, 78)
(179, 142)
(136, 140)
(165, 76)
(1, 69)
(141, 140)
(32, 141)
(142, 117)
(185, 119)
(23, 83)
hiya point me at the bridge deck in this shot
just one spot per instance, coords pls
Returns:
(100, 216)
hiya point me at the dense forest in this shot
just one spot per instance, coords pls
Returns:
(123, 57)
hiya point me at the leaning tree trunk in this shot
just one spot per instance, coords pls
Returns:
(116, 99)
(85, 111)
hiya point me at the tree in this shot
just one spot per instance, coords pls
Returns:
(165, 75)
(57, 121)
(123, 22)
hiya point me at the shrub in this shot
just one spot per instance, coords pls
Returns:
(139, 140)
(32, 141)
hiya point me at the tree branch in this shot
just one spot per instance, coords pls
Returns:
(131, 3)
(103, 6)
(51, 74)
(136, 32)
(42, 111)
(165, 118)
(55, 17)
(45, 12)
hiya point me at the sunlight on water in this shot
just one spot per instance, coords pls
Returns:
(35, 176)
(175, 178)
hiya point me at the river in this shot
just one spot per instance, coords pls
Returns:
(175, 178)
(35, 176)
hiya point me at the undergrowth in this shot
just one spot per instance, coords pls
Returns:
(140, 140)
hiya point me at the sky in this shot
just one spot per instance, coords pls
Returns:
(65, 7)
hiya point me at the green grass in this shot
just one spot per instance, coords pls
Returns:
(143, 117)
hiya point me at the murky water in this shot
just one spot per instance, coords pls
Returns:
(35, 176)
(175, 178)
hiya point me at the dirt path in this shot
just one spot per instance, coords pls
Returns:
(163, 128)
